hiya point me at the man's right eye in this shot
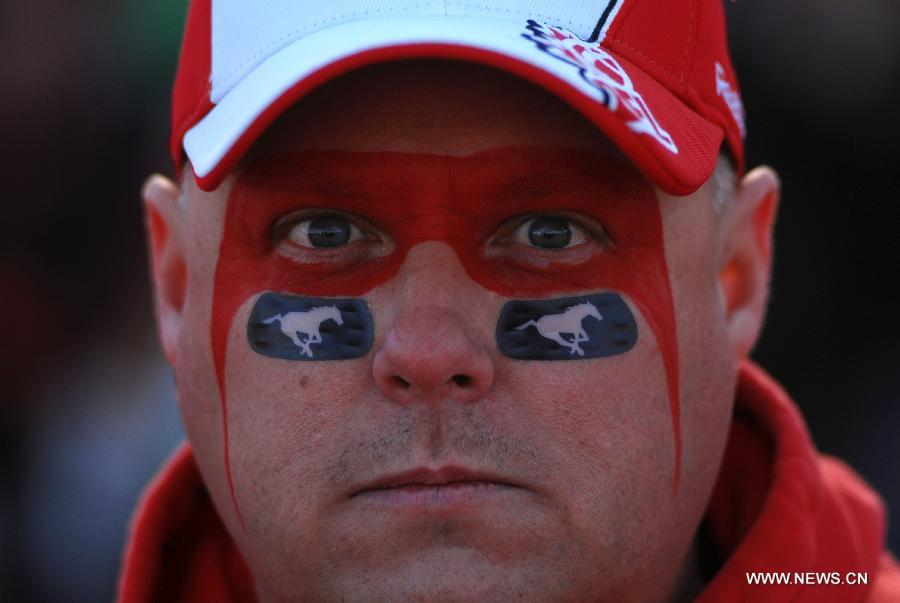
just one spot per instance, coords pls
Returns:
(324, 231)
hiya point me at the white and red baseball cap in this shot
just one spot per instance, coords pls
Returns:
(654, 75)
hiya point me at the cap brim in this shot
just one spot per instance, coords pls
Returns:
(676, 148)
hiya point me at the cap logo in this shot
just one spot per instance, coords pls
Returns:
(731, 97)
(605, 76)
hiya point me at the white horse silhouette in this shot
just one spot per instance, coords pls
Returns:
(569, 321)
(308, 322)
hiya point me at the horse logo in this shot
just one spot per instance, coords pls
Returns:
(308, 323)
(552, 326)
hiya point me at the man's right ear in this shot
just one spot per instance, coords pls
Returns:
(164, 218)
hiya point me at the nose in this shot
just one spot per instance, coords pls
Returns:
(429, 357)
(432, 351)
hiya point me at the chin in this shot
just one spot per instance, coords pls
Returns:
(455, 575)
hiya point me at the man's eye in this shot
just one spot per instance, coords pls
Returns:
(549, 232)
(324, 231)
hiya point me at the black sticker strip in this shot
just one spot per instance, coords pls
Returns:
(566, 328)
(310, 328)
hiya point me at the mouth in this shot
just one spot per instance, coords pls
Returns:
(447, 486)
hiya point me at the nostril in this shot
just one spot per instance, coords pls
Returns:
(462, 380)
(400, 382)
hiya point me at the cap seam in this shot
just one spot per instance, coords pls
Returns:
(629, 48)
(516, 13)
(689, 43)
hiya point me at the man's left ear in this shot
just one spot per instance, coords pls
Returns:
(746, 262)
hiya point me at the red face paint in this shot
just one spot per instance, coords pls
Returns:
(462, 201)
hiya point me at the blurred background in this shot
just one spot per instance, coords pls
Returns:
(87, 409)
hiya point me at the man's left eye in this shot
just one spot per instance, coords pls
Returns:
(549, 232)
(324, 232)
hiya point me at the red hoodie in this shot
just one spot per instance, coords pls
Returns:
(778, 506)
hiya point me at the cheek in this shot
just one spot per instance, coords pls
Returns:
(708, 369)
(266, 388)
(608, 435)
(245, 269)
(614, 412)
(287, 420)
(297, 405)
(636, 267)
(707, 380)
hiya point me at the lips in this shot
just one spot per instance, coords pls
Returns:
(429, 485)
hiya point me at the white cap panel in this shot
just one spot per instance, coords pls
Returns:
(208, 141)
(578, 16)
(246, 33)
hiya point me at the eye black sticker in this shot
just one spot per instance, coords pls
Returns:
(310, 328)
(566, 328)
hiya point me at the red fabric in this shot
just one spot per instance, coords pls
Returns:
(678, 45)
(191, 91)
(777, 506)
(179, 550)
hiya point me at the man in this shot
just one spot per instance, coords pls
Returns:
(459, 300)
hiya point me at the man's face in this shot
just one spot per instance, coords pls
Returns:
(437, 193)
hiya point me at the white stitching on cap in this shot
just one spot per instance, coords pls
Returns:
(517, 13)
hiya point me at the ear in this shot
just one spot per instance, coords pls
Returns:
(164, 219)
(746, 261)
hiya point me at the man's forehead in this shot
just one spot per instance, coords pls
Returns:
(512, 177)
(430, 106)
